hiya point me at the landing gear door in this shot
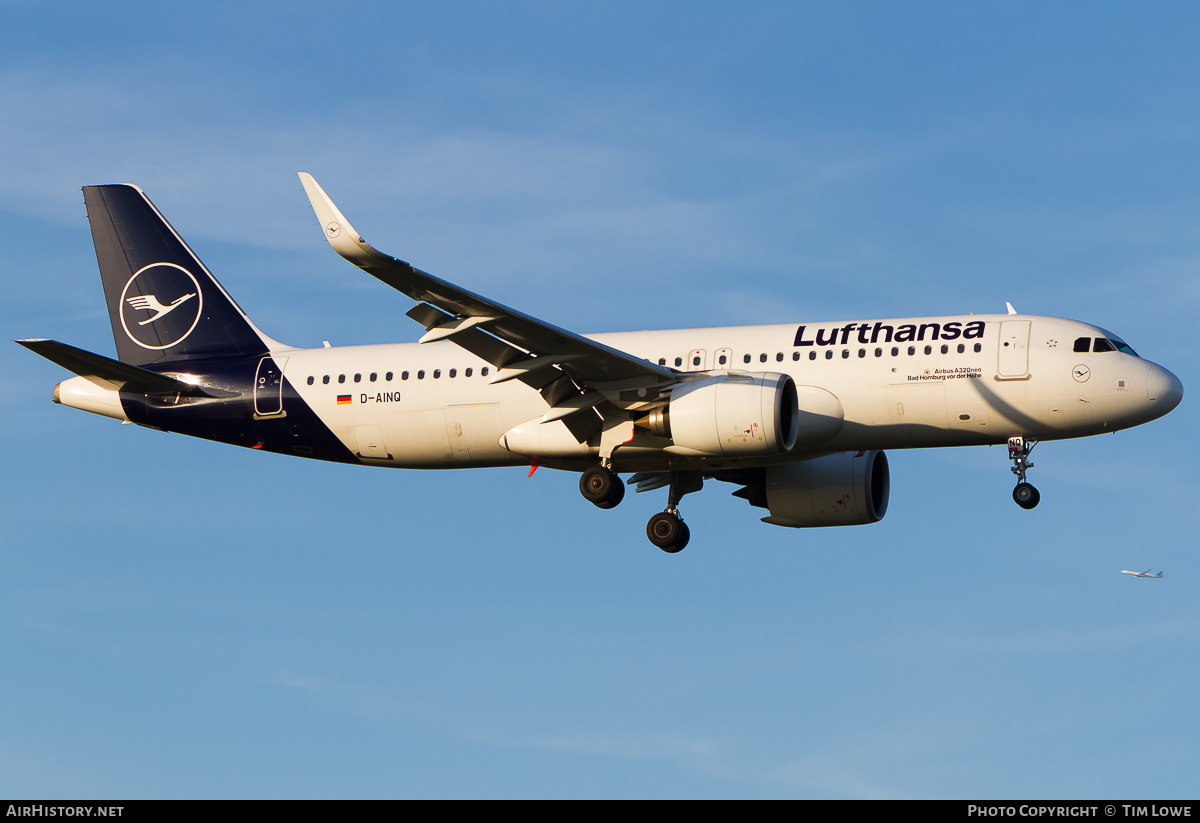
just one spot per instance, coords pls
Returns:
(1013, 358)
(268, 387)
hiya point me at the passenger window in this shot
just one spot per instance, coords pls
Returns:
(311, 380)
(1082, 344)
(662, 361)
(795, 355)
(829, 354)
(467, 373)
(483, 371)
(895, 351)
(358, 378)
(403, 375)
(845, 353)
(723, 359)
(421, 374)
(325, 379)
(678, 361)
(945, 348)
(762, 358)
(453, 372)
(341, 378)
(437, 373)
(961, 348)
(696, 360)
(978, 347)
(862, 352)
(879, 352)
(912, 350)
(812, 355)
(746, 359)
(374, 377)
(388, 377)
(929, 349)
(779, 357)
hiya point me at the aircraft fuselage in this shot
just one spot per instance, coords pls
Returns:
(432, 405)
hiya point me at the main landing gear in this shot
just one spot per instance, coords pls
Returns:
(601, 487)
(666, 529)
(1025, 495)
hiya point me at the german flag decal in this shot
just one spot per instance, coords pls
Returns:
(343, 399)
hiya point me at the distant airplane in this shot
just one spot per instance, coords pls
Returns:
(1146, 573)
(795, 414)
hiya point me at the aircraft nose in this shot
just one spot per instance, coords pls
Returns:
(1163, 389)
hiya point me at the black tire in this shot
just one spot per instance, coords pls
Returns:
(601, 487)
(1026, 496)
(668, 532)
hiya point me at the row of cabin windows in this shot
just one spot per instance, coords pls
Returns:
(812, 355)
(388, 376)
(697, 360)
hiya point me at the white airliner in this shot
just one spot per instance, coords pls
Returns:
(1146, 573)
(796, 415)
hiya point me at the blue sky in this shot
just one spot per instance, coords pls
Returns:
(183, 619)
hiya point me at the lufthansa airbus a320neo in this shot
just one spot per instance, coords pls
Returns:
(797, 416)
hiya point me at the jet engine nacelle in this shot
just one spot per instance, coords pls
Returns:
(745, 414)
(738, 414)
(843, 489)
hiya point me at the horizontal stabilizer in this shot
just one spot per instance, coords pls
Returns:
(113, 374)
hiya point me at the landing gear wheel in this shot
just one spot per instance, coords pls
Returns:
(1026, 496)
(668, 532)
(601, 487)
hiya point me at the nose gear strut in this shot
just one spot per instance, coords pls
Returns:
(1025, 495)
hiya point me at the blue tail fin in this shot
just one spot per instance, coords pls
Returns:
(163, 303)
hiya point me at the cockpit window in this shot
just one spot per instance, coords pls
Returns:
(1083, 344)
(1122, 346)
(1102, 344)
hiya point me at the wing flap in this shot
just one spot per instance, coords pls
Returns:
(531, 338)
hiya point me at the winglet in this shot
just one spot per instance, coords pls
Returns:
(344, 238)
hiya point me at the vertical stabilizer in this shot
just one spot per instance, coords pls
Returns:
(163, 303)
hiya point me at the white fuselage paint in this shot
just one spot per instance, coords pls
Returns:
(1024, 380)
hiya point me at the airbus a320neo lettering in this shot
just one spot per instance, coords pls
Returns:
(796, 416)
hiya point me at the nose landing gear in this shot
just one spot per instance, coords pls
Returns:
(1025, 495)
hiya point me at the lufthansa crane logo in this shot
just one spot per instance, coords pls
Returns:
(150, 303)
(160, 305)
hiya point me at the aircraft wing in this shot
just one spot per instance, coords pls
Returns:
(563, 365)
